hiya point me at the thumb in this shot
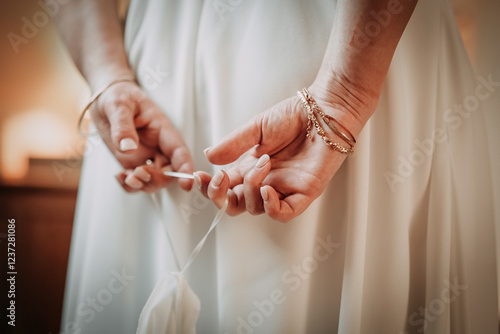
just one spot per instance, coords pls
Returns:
(122, 128)
(233, 145)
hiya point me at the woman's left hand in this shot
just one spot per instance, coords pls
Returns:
(280, 172)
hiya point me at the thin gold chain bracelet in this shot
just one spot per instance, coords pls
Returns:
(310, 107)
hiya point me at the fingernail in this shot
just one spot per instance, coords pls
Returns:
(197, 180)
(167, 168)
(264, 194)
(262, 161)
(142, 174)
(217, 180)
(205, 151)
(127, 144)
(132, 182)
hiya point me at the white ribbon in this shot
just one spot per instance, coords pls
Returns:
(173, 307)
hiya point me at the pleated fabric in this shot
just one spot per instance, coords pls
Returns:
(401, 241)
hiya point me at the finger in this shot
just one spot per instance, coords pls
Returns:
(252, 182)
(132, 159)
(286, 209)
(202, 180)
(122, 128)
(133, 182)
(218, 187)
(157, 179)
(172, 145)
(120, 177)
(159, 160)
(233, 145)
(142, 174)
(237, 173)
(236, 201)
(148, 122)
(188, 168)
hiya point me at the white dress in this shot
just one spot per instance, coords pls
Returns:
(401, 241)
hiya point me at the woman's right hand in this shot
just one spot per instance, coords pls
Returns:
(135, 129)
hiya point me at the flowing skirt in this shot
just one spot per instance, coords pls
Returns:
(401, 241)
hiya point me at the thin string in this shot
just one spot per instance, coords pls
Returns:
(156, 202)
(200, 244)
(198, 247)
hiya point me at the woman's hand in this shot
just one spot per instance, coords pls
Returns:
(279, 172)
(130, 123)
(347, 87)
(135, 130)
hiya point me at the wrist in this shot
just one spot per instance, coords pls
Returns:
(345, 100)
(322, 124)
(103, 76)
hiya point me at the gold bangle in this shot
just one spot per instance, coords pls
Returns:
(96, 95)
(312, 120)
(348, 138)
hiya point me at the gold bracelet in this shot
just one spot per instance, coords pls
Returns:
(96, 95)
(312, 120)
(349, 138)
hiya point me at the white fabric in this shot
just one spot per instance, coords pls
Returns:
(402, 239)
(173, 307)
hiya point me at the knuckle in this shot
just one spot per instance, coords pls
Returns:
(122, 117)
(120, 129)
(254, 210)
(250, 178)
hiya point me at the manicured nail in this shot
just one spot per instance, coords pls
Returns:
(264, 194)
(262, 161)
(217, 180)
(132, 182)
(142, 174)
(127, 144)
(205, 151)
(197, 180)
(167, 168)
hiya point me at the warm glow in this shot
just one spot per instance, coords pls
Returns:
(36, 134)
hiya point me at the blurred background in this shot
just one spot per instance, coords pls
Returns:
(41, 95)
